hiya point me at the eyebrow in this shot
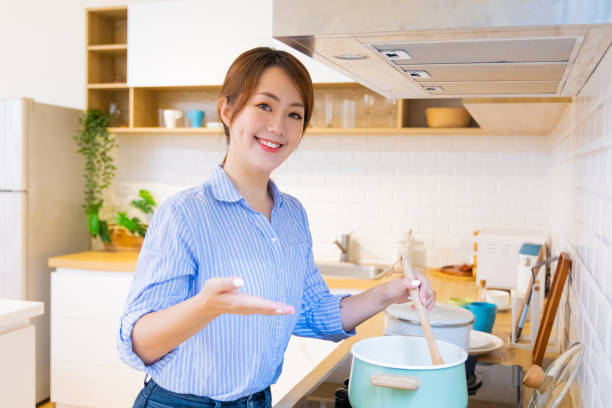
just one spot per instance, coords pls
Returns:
(276, 98)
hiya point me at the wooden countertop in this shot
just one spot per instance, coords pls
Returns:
(97, 261)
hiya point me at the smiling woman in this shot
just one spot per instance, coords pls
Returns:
(226, 273)
(269, 81)
(268, 128)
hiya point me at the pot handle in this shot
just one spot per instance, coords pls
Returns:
(400, 382)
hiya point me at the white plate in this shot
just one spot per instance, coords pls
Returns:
(482, 342)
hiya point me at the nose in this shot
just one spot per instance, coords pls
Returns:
(276, 124)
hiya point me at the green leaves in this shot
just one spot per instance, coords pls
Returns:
(134, 225)
(93, 222)
(104, 235)
(124, 221)
(146, 203)
(96, 144)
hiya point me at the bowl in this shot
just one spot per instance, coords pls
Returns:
(459, 301)
(447, 117)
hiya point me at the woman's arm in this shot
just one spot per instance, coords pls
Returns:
(157, 333)
(356, 309)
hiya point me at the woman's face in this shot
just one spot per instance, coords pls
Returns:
(269, 127)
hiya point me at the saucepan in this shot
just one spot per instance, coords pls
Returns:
(448, 322)
(396, 371)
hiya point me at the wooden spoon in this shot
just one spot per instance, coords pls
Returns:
(436, 358)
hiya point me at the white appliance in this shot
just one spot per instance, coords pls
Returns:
(497, 254)
(41, 188)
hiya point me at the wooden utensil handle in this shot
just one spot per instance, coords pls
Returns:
(400, 382)
(436, 357)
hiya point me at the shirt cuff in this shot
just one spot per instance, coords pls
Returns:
(334, 331)
(126, 352)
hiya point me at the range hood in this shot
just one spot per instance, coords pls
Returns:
(452, 48)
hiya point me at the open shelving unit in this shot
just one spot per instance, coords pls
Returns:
(140, 107)
(107, 61)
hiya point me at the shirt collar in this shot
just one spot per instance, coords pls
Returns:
(223, 189)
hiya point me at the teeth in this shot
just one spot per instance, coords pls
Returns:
(269, 144)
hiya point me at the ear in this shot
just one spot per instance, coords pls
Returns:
(225, 110)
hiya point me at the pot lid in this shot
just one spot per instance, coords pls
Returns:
(442, 315)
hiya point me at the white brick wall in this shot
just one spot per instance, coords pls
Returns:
(581, 224)
(442, 187)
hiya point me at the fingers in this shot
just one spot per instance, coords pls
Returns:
(220, 285)
(247, 304)
(426, 294)
(223, 295)
(428, 299)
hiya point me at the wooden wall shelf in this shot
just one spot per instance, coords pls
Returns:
(107, 61)
(111, 85)
(311, 131)
(140, 107)
(120, 49)
(107, 25)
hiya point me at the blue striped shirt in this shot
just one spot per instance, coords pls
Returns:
(210, 230)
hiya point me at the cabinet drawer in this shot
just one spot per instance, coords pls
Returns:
(89, 294)
(90, 385)
(85, 340)
(17, 382)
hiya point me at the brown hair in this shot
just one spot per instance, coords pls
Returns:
(244, 73)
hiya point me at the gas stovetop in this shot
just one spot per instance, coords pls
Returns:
(489, 386)
(501, 386)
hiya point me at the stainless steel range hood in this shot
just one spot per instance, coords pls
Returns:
(452, 48)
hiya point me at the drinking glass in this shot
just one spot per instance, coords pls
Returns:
(391, 104)
(368, 104)
(114, 111)
(348, 113)
(328, 103)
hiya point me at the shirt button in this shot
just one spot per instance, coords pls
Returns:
(274, 239)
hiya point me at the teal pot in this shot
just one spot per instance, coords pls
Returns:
(396, 371)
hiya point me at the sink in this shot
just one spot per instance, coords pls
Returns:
(350, 270)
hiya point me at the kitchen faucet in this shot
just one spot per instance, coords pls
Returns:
(344, 245)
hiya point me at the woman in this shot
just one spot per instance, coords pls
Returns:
(226, 273)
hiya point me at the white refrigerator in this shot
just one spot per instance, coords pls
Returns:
(41, 190)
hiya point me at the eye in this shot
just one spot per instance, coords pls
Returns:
(264, 106)
(296, 116)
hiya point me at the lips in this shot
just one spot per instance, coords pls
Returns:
(268, 145)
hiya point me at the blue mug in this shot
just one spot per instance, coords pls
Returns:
(196, 117)
(484, 314)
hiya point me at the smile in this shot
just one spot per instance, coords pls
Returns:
(268, 145)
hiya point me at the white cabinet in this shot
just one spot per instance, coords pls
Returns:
(190, 42)
(85, 311)
(17, 352)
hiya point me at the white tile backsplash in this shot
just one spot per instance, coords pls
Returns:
(380, 186)
(581, 222)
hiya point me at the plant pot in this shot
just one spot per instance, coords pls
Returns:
(122, 240)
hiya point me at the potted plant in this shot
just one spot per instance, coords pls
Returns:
(127, 234)
(96, 144)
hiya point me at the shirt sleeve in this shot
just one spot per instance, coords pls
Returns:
(320, 310)
(166, 266)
